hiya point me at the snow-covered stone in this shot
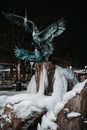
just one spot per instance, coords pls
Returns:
(25, 107)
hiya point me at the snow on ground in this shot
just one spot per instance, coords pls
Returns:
(3, 99)
(85, 121)
(10, 93)
(27, 103)
(82, 71)
(2, 102)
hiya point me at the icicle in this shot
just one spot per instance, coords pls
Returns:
(31, 64)
(32, 85)
(60, 85)
(43, 81)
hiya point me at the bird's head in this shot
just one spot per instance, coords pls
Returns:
(25, 19)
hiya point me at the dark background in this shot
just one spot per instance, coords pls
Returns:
(69, 48)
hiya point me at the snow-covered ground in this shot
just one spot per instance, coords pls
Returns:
(10, 93)
(32, 101)
(82, 71)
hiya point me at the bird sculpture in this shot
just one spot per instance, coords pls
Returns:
(42, 40)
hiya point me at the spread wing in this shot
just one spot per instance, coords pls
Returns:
(25, 54)
(19, 20)
(53, 30)
(14, 18)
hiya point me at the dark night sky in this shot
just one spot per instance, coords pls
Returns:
(45, 12)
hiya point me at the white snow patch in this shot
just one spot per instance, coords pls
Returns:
(81, 71)
(25, 109)
(7, 118)
(85, 121)
(68, 96)
(79, 86)
(66, 109)
(19, 98)
(73, 114)
(2, 103)
(58, 107)
(48, 122)
(3, 99)
(9, 106)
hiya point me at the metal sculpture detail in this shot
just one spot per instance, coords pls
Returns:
(42, 40)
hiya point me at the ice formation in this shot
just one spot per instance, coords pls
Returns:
(31, 101)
